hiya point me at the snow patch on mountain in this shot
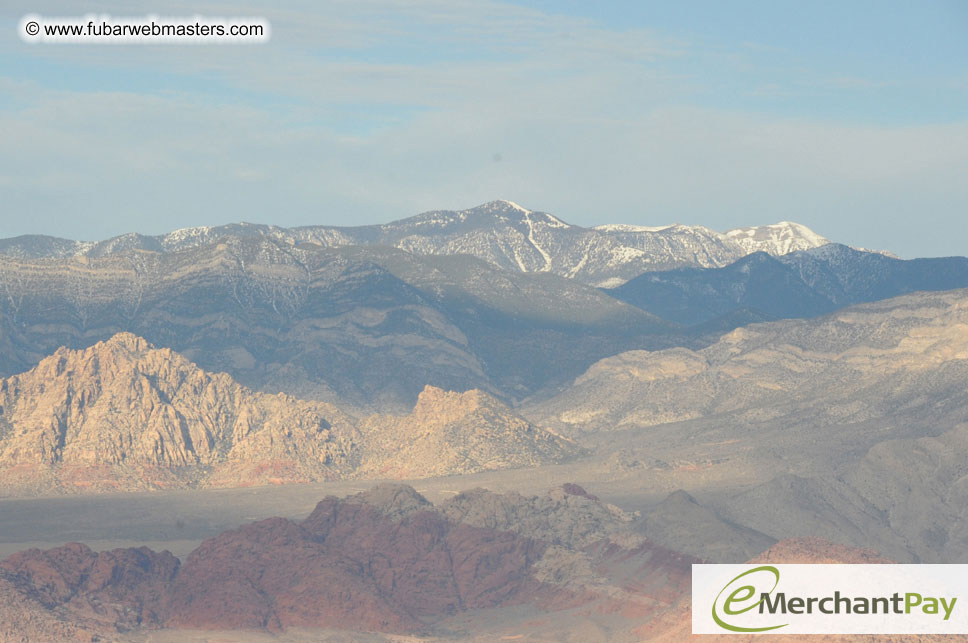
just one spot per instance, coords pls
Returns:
(514, 206)
(533, 242)
(625, 254)
(776, 238)
(185, 234)
(628, 227)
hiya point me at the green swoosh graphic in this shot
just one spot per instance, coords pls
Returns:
(733, 628)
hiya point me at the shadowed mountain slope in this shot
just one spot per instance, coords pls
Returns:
(896, 365)
(905, 498)
(370, 327)
(801, 284)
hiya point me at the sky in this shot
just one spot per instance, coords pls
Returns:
(848, 117)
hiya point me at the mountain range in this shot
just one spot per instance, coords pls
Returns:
(370, 326)
(502, 233)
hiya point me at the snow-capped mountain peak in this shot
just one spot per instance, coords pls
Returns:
(776, 238)
(513, 205)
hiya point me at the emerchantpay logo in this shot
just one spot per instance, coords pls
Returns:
(830, 599)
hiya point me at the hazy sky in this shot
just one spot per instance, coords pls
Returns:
(850, 117)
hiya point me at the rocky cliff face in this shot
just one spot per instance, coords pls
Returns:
(123, 414)
(120, 589)
(24, 619)
(451, 432)
(149, 417)
(567, 516)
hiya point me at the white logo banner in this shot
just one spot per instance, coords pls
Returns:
(829, 599)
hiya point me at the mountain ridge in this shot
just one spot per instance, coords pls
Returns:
(797, 285)
(797, 397)
(501, 232)
(123, 415)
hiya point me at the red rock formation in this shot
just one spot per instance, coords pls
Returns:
(23, 619)
(122, 588)
(384, 560)
(349, 565)
(818, 552)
